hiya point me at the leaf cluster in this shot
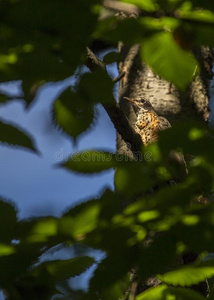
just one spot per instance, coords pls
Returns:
(145, 224)
(148, 235)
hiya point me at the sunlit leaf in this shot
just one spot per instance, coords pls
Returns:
(189, 275)
(148, 215)
(85, 218)
(199, 15)
(42, 230)
(183, 294)
(168, 60)
(6, 249)
(155, 293)
(11, 135)
(169, 293)
(78, 224)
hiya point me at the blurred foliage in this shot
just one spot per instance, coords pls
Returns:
(169, 293)
(72, 113)
(147, 223)
(14, 136)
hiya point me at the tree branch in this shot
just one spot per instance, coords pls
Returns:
(93, 62)
(118, 118)
(120, 76)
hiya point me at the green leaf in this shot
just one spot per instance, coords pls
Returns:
(184, 294)
(201, 3)
(52, 46)
(132, 30)
(111, 278)
(133, 178)
(63, 269)
(188, 137)
(202, 15)
(155, 293)
(8, 221)
(201, 34)
(11, 135)
(72, 113)
(114, 30)
(113, 289)
(18, 262)
(6, 249)
(169, 61)
(196, 29)
(72, 294)
(189, 275)
(97, 87)
(88, 216)
(26, 286)
(111, 57)
(150, 26)
(197, 237)
(162, 292)
(90, 162)
(40, 230)
(80, 220)
(161, 253)
(4, 98)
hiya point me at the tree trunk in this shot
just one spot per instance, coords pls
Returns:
(167, 100)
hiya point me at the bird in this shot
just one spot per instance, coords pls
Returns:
(148, 123)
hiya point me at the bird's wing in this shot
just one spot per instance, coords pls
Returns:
(163, 123)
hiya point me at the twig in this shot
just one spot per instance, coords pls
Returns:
(93, 62)
(120, 76)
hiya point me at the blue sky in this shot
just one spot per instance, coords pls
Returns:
(31, 181)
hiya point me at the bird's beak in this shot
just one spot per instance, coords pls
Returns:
(129, 99)
(132, 101)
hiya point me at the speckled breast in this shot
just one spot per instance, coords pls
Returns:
(147, 126)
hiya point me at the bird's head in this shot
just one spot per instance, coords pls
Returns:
(140, 104)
